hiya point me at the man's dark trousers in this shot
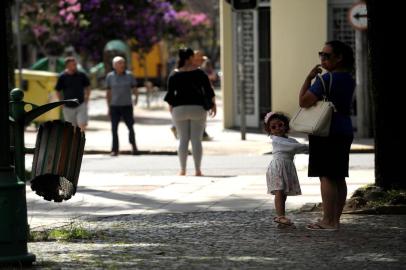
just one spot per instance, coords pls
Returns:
(116, 113)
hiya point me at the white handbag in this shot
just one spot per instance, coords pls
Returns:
(315, 120)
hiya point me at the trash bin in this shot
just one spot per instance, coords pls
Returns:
(39, 89)
(57, 160)
(97, 75)
(56, 64)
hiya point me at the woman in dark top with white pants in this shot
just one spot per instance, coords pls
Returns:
(188, 87)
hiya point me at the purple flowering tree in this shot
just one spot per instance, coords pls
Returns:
(197, 25)
(89, 24)
(42, 25)
(141, 23)
(197, 28)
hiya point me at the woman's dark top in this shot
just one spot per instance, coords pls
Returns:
(188, 88)
(341, 94)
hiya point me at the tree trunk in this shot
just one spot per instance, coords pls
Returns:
(5, 68)
(385, 52)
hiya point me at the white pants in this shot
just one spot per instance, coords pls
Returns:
(77, 116)
(190, 121)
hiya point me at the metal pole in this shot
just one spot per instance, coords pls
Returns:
(5, 157)
(18, 41)
(241, 82)
(17, 112)
(13, 206)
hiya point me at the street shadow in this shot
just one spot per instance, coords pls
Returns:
(100, 117)
(129, 153)
(218, 176)
(138, 120)
(153, 121)
(133, 202)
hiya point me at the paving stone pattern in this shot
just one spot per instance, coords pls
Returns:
(229, 240)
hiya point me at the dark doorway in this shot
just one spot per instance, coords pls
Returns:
(264, 60)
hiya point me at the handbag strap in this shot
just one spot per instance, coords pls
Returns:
(326, 92)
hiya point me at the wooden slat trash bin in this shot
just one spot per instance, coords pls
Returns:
(57, 160)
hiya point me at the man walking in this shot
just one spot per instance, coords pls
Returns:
(74, 84)
(121, 84)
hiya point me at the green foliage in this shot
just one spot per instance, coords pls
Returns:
(375, 196)
(390, 197)
(70, 233)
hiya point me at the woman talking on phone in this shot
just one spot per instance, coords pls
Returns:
(329, 156)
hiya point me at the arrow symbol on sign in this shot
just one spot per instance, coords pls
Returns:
(358, 16)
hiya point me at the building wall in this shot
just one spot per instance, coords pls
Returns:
(298, 32)
(226, 38)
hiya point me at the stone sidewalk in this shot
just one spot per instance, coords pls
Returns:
(227, 240)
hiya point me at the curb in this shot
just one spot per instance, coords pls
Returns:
(173, 153)
(128, 152)
(380, 210)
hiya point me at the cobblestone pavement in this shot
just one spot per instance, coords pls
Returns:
(228, 240)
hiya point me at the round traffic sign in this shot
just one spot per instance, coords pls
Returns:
(357, 16)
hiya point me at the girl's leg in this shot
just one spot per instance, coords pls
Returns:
(280, 200)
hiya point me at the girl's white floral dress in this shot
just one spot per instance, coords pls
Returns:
(281, 173)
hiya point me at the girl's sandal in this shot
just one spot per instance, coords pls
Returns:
(283, 226)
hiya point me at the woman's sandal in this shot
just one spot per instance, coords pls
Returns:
(319, 227)
(283, 220)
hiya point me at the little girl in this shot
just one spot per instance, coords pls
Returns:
(281, 176)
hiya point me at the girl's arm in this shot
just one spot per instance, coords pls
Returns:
(302, 148)
(290, 145)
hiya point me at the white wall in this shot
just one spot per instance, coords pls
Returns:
(298, 32)
(226, 39)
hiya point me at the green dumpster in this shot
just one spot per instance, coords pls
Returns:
(47, 64)
(39, 89)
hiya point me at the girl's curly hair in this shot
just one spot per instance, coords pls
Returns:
(275, 115)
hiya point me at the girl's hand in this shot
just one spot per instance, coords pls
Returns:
(313, 73)
(170, 108)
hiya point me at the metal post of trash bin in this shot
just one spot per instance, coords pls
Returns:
(13, 209)
(20, 119)
(58, 180)
(18, 149)
(13, 204)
